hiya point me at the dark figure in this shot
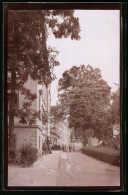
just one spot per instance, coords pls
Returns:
(63, 148)
(49, 145)
(70, 148)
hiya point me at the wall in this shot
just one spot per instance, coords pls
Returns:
(35, 134)
(31, 135)
(37, 104)
(32, 85)
(44, 100)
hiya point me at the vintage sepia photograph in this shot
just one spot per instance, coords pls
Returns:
(63, 68)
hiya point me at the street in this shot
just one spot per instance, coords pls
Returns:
(65, 169)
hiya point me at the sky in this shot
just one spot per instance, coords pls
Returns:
(99, 46)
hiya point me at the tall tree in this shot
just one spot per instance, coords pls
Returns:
(56, 114)
(115, 107)
(84, 97)
(28, 53)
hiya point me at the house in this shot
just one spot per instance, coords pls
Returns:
(35, 133)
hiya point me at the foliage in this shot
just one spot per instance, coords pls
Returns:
(54, 133)
(26, 155)
(116, 142)
(113, 118)
(27, 36)
(26, 113)
(115, 107)
(27, 39)
(105, 154)
(88, 133)
(56, 113)
(63, 23)
(28, 54)
(11, 156)
(84, 98)
(113, 142)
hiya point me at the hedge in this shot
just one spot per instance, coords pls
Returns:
(108, 155)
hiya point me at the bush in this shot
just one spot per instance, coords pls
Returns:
(11, 156)
(113, 142)
(26, 155)
(18, 158)
(108, 155)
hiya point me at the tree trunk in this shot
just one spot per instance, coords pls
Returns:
(44, 44)
(12, 109)
(44, 39)
(11, 131)
(12, 66)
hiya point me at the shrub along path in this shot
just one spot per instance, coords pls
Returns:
(65, 169)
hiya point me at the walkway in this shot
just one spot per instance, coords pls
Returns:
(65, 169)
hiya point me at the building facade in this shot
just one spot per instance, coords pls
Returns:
(34, 133)
(61, 135)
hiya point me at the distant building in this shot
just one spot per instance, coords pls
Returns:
(61, 134)
(116, 130)
(36, 133)
(76, 145)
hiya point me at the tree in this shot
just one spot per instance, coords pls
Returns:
(87, 134)
(28, 53)
(114, 120)
(115, 107)
(84, 97)
(56, 114)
